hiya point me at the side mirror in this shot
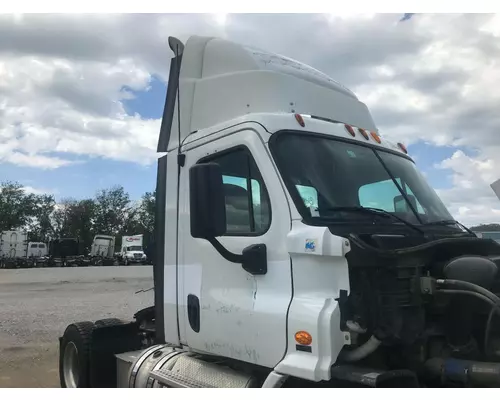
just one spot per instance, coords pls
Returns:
(400, 204)
(207, 201)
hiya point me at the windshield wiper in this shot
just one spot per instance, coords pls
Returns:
(375, 211)
(450, 222)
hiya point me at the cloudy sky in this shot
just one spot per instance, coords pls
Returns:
(81, 96)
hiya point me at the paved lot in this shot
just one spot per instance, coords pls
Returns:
(36, 305)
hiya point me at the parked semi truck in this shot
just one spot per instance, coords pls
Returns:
(13, 249)
(295, 247)
(17, 252)
(67, 252)
(13, 244)
(102, 250)
(131, 250)
(37, 250)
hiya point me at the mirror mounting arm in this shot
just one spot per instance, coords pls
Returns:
(229, 256)
(253, 260)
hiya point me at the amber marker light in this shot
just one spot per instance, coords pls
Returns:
(303, 338)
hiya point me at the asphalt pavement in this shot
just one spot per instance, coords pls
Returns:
(36, 305)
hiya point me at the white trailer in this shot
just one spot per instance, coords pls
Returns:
(13, 244)
(296, 246)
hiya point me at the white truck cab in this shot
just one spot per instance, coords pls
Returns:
(295, 244)
(103, 246)
(132, 250)
(37, 250)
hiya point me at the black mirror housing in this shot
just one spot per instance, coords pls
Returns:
(254, 259)
(207, 201)
(401, 205)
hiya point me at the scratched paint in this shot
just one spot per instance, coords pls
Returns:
(254, 295)
(224, 309)
(246, 353)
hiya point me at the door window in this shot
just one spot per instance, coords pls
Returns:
(248, 210)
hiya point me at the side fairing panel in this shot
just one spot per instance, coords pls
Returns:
(320, 272)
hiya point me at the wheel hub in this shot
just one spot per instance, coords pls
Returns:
(71, 366)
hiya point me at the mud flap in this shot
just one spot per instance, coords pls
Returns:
(106, 342)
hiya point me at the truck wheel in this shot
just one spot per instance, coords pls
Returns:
(74, 355)
(108, 322)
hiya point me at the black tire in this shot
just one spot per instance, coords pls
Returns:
(108, 322)
(77, 337)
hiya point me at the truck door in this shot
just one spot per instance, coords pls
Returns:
(222, 308)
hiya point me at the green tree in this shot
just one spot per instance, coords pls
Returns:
(113, 211)
(147, 211)
(40, 227)
(16, 206)
(75, 219)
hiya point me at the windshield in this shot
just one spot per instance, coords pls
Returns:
(324, 173)
(134, 248)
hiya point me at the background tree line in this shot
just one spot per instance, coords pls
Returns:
(109, 212)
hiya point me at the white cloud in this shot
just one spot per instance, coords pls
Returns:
(432, 78)
(471, 199)
(36, 160)
(71, 107)
(33, 190)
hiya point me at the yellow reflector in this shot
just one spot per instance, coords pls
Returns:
(376, 137)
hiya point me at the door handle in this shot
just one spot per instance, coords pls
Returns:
(193, 309)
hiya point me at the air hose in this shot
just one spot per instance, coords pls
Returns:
(362, 351)
(471, 289)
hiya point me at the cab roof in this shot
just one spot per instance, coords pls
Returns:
(220, 80)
